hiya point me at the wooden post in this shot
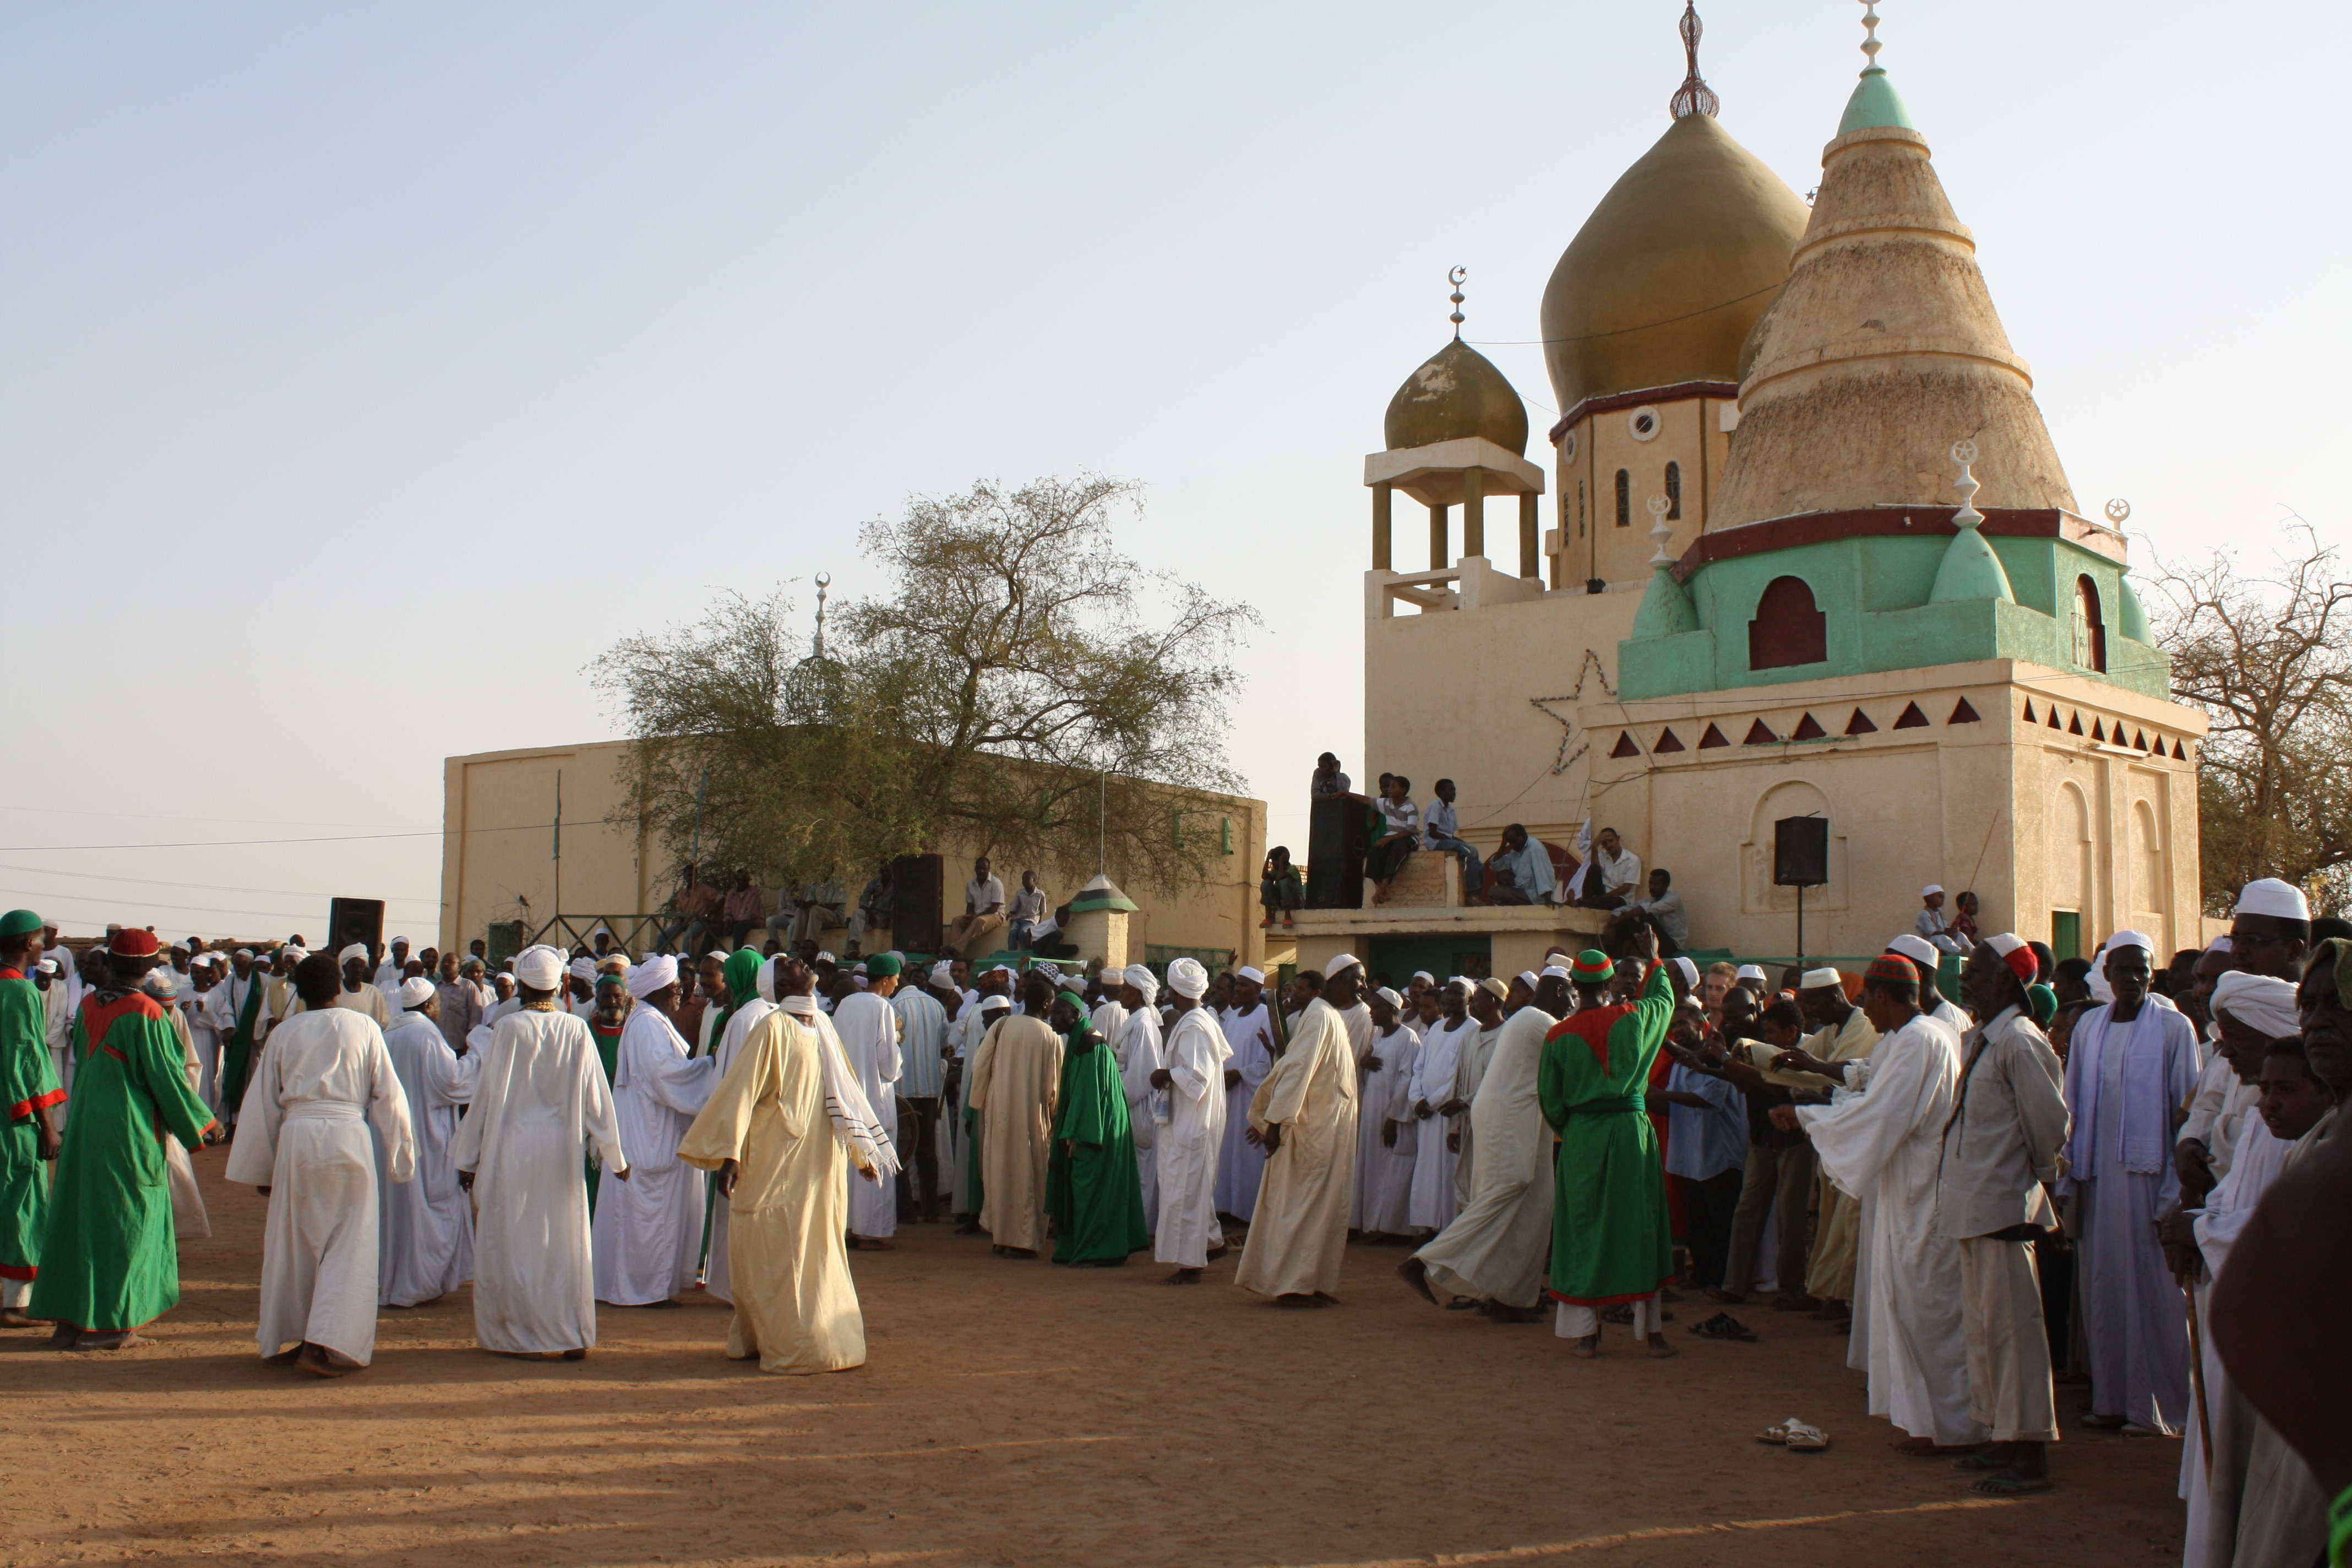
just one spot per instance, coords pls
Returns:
(1437, 561)
(1474, 511)
(1382, 510)
(1531, 564)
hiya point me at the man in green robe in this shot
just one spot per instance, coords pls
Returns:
(1094, 1194)
(28, 1135)
(108, 1264)
(1611, 1245)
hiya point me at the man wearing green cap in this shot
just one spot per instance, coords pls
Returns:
(108, 1264)
(28, 1136)
(1611, 1245)
(1094, 1194)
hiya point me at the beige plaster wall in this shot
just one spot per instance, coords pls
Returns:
(1690, 432)
(496, 862)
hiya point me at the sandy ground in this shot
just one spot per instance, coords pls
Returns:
(1012, 1413)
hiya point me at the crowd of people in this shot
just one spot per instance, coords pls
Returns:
(2031, 1184)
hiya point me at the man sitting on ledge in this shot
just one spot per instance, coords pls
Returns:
(1611, 879)
(1522, 870)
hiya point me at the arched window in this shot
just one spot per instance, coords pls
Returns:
(1579, 509)
(1625, 498)
(1788, 629)
(2090, 631)
(1673, 490)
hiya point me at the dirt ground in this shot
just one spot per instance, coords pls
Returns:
(1010, 1413)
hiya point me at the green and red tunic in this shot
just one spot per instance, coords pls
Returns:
(1610, 1241)
(28, 1086)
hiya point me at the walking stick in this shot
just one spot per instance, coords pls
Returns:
(2197, 1379)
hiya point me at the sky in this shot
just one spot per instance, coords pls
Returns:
(370, 370)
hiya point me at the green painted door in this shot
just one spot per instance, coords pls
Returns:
(2066, 934)
(1393, 959)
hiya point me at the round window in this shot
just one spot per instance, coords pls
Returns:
(1644, 424)
(1568, 445)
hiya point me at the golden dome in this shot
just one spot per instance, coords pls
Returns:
(1457, 392)
(1672, 270)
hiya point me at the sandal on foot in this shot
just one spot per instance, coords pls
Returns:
(2004, 1484)
(1988, 1461)
(2104, 1423)
(1724, 1326)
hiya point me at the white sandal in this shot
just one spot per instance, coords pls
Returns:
(1805, 1439)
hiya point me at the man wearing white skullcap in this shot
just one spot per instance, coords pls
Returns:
(2131, 1066)
(1248, 1025)
(427, 1223)
(1926, 957)
(542, 1098)
(925, 1050)
(1388, 1138)
(394, 969)
(2270, 929)
(355, 993)
(1189, 1109)
(1936, 928)
(303, 1137)
(1435, 1107)
(648, 1230)
(1303, 1116)
(1129, 1022)
(579, 987)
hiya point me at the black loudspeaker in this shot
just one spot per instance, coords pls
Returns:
(1801, 851)
(1338, 833)
(353, 920)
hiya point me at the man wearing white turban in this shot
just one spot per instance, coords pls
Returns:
(1304, 1117)
(355, 993)
(1015, 1086)
(924, 1052)
(2130, 1070)
(648, 1229)
(1249, 1028)
(303, 1138)
(1189, 1115)
(427, 1241)
(1136, 1048)
(543, 1101)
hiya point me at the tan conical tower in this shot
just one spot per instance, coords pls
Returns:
(1883, 349)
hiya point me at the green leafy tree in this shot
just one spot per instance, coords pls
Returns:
(1024, 686)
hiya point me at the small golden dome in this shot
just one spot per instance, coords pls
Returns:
(1667, 277)
(1457, 392)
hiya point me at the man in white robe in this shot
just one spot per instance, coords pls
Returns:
(1434, 1108)
(1882, 1149)
(869, 1028)
(1303, 1116)
(1486, 1012)
(2130, 1069)
(1386, 1135)
(389, 974)
(541, 1105)
(1498, 1247)
(303, 1138)
(1189, 1086)
(1137, 1048)
(1248, 1025)
(2000, 1151)
(427, 1223)
(788, 1135)
(648, 1230)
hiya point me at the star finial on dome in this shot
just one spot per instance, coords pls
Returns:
(1455, 277)
(1694, 97)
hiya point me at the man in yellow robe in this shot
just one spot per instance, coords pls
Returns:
(787, 1129)
(1016, 1073)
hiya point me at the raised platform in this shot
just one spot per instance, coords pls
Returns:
(1510, 937)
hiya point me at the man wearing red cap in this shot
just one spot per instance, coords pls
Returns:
(108, 1264)
(29, 1096)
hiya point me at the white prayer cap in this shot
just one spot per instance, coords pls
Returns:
(2219, 943)
(297, 953)
(1051, 971)
(1000, 969)
(397, 942)
(1915, 947)
(47, 966)
(1185, 977)
(1750, 972)
(161, 983)
(764, 980)
(1494, 988)
(827, 958)
(539, 967)
(1687, 969)
(415, 992)
(204, 961)
(1004, 1003)
(357, 950)
(1818, 977)
(2271, 896)
(860, 981)
(478, 1037)
(650, 976)
(581, 969)
(942, 974)
(1340, 963)
(1554, 971)
(2260, 1002)
(1250, 972)
(244, 952)
(1931, 889)
(1389, 996)
(616, 962)
(1424, 975)
(2138, 939)
(1459, 983)
(1142, 979)
(1528, 978)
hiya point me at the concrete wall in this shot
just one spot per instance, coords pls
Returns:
(498, 862)
(1691, 435)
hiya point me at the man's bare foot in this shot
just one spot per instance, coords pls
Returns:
(1183, 1276)
(10, 1318)
(1218, 1251)
(320, 1361)
(1729, 1297)
(1586, 1348)
(1325, 1299)
(873, 1244)
(64, 1337)
(286, 1357)
(967, 1227)
(1929, 1449)
(1415, 1273)
(577, 1352)
(1660, 1350)
(118, 1339)
(1300, 1298)
(665, 1302)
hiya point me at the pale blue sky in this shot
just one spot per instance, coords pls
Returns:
(369, 371)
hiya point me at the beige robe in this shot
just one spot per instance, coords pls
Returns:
(1497, 1248)
(1298, 1234)
(1830, 1275)
(190, 1222)
(1016, 1083)
(796, 1305)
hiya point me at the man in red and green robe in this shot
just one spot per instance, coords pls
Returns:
(108, 1263)
(1611, 1245)
(28, 1137)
